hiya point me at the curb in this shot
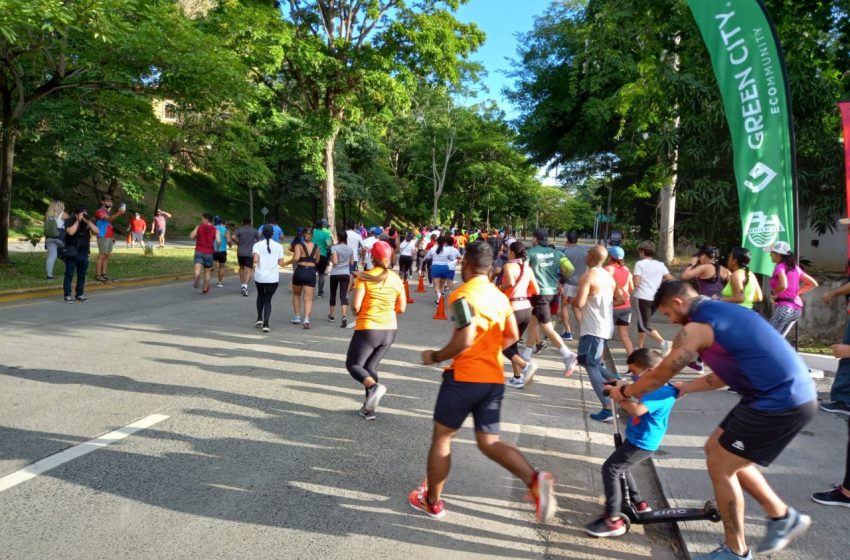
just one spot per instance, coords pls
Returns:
(686, 545)
(93, 286)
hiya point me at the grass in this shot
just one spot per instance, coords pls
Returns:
(27, 269)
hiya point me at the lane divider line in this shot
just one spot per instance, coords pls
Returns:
(43, 465)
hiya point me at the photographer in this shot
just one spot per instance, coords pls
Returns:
(78, 231)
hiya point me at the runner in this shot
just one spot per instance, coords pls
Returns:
(342, 259)
(545, 263)
(428, 260)
(245, 237)
(354, 241)
(475, 384)
(519, 284)
(267, 257)
(278, 233)
(778, 399)
(785, 288)
(366, 247)
(323, 238)
(622, 312)
(441, 255)
(743, 286)
(596, 296)
(578, 256)
(649, 273)
(378, 297)
(222, 241)
(707, 271)
(304, 260)
(105, 236)
(405, 256)
(158, 226)
(138, 227)
(206, 236)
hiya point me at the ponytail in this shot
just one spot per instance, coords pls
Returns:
(375, 278)
(268, 245)
(440, 242)
(747, 272)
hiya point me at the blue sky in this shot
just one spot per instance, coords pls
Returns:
(501, 20)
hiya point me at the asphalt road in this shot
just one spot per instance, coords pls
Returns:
(263, 454)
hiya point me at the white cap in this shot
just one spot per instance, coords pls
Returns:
(781, 248)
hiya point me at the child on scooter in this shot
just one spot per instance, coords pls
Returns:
(644, 433)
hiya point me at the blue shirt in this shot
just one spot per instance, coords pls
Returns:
(753, 359)
(648, 430)
(221, 247)
(278, 233)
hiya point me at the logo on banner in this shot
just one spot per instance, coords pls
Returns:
(763, 230)
(762, 174)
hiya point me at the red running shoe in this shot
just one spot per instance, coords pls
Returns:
(642, 507)
(543, 491)
(418, 500)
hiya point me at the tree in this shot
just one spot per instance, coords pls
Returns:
(352, 60)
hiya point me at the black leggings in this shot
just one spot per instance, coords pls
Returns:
(846, 484)
(341, 281)
(366, 350)
(265, 291)
(405, 263)
(523, 317)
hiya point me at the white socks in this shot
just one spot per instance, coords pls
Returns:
(565, 352)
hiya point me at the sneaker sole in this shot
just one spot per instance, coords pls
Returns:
(830, 503)
(841, 411)
(375, 398)
(440, 515)
(615, 533)
(548, 505)
(803, 524)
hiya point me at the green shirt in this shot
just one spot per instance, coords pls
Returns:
(322, 238)
(545, 262)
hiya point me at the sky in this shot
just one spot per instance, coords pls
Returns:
(501, 20)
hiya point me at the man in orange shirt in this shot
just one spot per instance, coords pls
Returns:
(475, 384)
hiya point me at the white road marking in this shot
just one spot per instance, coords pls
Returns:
(53, 461)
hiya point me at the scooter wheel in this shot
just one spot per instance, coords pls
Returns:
(711, 509)
(626, 521)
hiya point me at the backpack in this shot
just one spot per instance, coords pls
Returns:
(51, 228)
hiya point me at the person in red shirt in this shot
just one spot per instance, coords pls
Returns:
(206, 236)
(138, 226)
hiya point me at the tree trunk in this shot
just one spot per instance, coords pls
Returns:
(251, 204)
(329, 187)
(163, 182)
(6, 189)
(667, 241)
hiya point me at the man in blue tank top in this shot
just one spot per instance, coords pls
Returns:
(778, 398)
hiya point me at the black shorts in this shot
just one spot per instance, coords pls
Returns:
(246, 262)
(304, 276)
(760, 436)
(541, 308)
(220, 257)
(322, 265)
(623, 317)
(457, 399)
(646, 309)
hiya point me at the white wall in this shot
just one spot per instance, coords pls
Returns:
(831, 252)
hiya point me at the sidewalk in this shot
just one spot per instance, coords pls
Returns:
(812, 463)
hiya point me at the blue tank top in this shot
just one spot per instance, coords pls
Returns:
(222, 245)
(753, 359)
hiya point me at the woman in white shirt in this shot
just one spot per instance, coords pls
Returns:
(405, 256)
(54, 230)
(268, 255)
(443, 258)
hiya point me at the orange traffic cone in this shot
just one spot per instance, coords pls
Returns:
(440, 315)
(421, 287)
(407, 292)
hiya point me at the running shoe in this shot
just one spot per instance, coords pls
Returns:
(780, 532)
(570, 363)
(320, 295)
(722, 552)
(100, 278)
(603, 415)
(543, 491)
(81, 299)
(344, 322)
(666, 346)
(836, 407)
(367, 414)
(69, 299)
(331, 319)
(245, 292)
(516, 382)
(195, 283)
(219, 285)
(306, 324)
(696, 366)
(418, 500)
(376, 392)
(642, 507)
(295, 320)
(206, 290)
(566, 336)
(540, 346)
(528, 371)
(834, 497)
(266, 330)
(606, 527)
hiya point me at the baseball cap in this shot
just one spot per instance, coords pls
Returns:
(79, 209)
(377, 230)
(616, 252)
(382, 251)
(541, 233)
(781, 248)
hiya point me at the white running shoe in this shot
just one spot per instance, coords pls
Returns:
(666, 346)
(570, 363)
(516, 382)
(375, 393)
(528, 372)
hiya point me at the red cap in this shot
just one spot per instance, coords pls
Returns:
(382, 251)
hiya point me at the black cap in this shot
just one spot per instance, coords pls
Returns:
(541, 234)
(79, 209)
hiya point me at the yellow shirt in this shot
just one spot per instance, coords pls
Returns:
(377, 312)
(482, 362)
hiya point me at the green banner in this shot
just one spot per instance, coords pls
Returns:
(751, 74)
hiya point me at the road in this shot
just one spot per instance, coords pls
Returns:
(262, 454)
